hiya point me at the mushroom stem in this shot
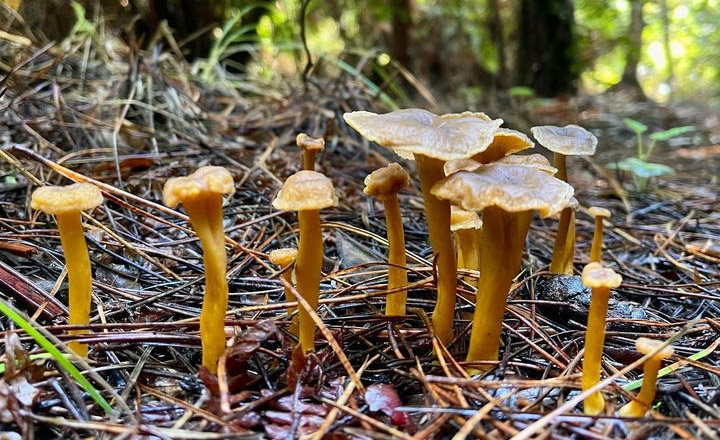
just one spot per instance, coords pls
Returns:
(397, 275)
(206, 219)
(77, 260)
(309, 160)
(437, 213)
(637, 407)
(503, 242)
(308, 272)
(594, 340)
(560, 164)
(468, 244)
(597, 243)
(564, 248)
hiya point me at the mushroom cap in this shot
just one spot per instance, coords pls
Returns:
(453, 166)
(461, 219)
(597, 211)
(513, 188)
(505, 142)
(416, 131)
(537, 161)
(65, 199)
(283, 256)
(306, 191)
(570, 140)
(386, 181)
(203, 182)
(307, 143)
(647, 345)
(595, 275)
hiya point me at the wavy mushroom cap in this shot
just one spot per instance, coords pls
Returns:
(283, 257)
(416, 131)
(647, 346)
(65, 199)
(386, 181)
(505, 142)
(461, 219)
(537, 161)
(306, 191)
(307, 143)
(205, 181)
(571, 140)
(595, 275)
(453, 166)
(513, 188)
(596, 211)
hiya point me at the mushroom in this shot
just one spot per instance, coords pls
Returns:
(384, 184)
(531, 160)
(600, 279)
(467, 227)
(507, 195)
(505, 142)
(284, 258)
(201, 194)
(564, 141)
(432, 140)
(307, 192)
(638, 407)
(67, 204)
(597, 244)
(310, 147)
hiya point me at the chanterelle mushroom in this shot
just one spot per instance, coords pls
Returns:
(67, 204)
(507, 195)
(638, 407)
(600, 214)
(285, 257)
(505, 142)
(384, 184)
(467, 227)
(307, 192)
(432, 140)
(310, 147)
(201, 195)
(570, 140)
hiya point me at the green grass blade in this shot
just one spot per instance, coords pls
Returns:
(7, 310)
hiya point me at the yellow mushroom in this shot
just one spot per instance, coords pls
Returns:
(310, 147)
(530, 160)
(564, 141)
(507, 195)
(644, 399)
(284, 258)
(384, 184)
(597, 244)
(432, 140)
(307, 192)
(201, 194)
(67, 204)
(600, 280)
(467, 228)
(505, 142)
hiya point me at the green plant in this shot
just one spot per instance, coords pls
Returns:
(641, 169)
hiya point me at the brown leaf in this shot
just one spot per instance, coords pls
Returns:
(383, 397)
(298, 361)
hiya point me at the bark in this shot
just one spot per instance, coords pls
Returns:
(637, 23)
(401, 32)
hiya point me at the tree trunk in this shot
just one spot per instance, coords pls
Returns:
(670, 78)
(547, 56)
(637, 23)
(495, 29)
(401, 28)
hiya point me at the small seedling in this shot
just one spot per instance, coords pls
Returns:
(641, 169)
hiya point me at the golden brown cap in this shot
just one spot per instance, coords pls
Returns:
(595, 275)
(571, 140)
(65, 199)
(200, 184)
(305, 191)
(513, 188)
(505, 142)
(596, 211)
(416, 131)
(306, 143)
(531, 160)
(283, 257)
(461, 219)
(386, 181)
(647, 345)
(453, 166)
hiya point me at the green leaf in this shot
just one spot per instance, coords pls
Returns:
(641, 168)
(636, 126)
(521, 92)
(671, 133)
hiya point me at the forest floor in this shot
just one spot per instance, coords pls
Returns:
(130, 129)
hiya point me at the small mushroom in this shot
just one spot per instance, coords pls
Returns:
(66, 203)
(507, 195)
(570, 140)
(384, 184)
(600, 279)
(597, 244)
(467, 227)
(310, 147)
(201, 195)
(307, 192)
(644, 399)
(432, 140)
(284, 258)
